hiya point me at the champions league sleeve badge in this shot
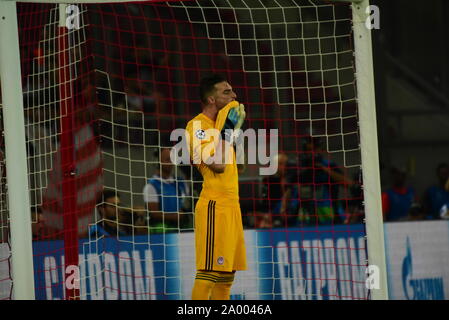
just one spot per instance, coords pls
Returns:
(200, 134)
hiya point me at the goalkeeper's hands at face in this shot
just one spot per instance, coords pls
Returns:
(234, 121)
(228, 123)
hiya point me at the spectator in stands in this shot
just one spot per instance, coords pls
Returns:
(113, 220)
(398, 200)
(320, 181)
(416, 213)
(278, 194)
(444, 210)
(437, 195)
(166, 197)
(139, 220)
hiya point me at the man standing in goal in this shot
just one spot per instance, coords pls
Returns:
(219, 242)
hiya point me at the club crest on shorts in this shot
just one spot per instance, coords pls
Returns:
(220, 261)
(200, 134)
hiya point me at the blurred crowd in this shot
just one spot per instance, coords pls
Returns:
(324, 195)
(313, 192)
(400, 201)
(130, 80)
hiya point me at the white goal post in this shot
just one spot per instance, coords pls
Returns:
(16, 158)
(368, 145)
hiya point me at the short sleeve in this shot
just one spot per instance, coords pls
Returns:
(150, 194)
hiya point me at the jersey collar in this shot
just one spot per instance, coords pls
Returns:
(206, 118)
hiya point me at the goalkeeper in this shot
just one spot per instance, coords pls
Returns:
(219, 242)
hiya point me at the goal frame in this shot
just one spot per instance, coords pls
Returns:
(16, 158)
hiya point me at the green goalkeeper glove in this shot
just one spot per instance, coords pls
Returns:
(234, 122)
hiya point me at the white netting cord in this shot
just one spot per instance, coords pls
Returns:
(309, 36)
(42, 102)
(312, 35)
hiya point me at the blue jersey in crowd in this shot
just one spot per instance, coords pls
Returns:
(436, 197)
(170, 193)
(400, 203)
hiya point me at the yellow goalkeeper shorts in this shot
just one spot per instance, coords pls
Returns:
(219, 241)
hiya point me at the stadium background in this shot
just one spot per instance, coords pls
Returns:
(411, 71)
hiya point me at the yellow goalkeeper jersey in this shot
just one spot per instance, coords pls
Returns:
(201, 139)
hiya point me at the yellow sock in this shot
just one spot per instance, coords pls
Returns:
(204, 284)
(222, 289)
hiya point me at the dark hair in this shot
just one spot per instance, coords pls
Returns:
(207, 85)
(106, 194)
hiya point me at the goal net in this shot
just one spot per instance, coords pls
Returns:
(105, 85)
